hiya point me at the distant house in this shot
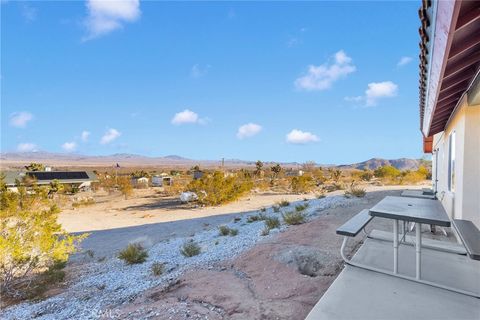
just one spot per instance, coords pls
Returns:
(140, 182)
(162, 180)
(80, 179)
(294, 173)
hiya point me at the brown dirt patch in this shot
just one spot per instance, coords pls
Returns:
(280, 278)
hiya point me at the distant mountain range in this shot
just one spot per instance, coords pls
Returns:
(19, 159)
(374, 163)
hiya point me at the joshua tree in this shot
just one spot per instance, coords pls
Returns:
(35, 167)
(140, 174)
(335, 175)
(55, 187)
(258, 168)
(276, 169)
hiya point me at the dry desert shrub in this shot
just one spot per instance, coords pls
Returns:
(272, 223)
(190, 249)
(293, 217)
(134, 253)
(355, 191)
(215, 189)
(157, 268)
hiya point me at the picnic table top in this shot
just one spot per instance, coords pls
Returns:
(417, 194)
(411, 209)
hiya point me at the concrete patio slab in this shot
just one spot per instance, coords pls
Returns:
(362, 294)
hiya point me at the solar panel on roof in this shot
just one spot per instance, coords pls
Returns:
(58, 175)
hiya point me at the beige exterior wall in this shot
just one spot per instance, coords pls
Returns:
(463, 201)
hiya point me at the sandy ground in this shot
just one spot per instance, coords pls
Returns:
(114, 222)
(147, 207)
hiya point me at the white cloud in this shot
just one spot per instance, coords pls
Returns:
(69, 146)
(248, 130)
(27, 147)
(188, 117)
(301, 137)
(109, 136)
(323, 76)
(198, 71)
(85, 135)
(404, 61)
(106, 16)
(376, 91)
(20, 119)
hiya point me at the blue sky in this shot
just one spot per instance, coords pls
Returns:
(332, 82)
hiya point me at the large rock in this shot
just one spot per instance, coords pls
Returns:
(309, 261)
(188, 196)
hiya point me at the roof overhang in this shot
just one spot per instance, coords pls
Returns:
(449, 58)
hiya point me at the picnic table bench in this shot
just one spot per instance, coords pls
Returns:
(470, 236)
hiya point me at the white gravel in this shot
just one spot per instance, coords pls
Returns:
(103, 285)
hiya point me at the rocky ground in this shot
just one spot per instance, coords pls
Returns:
(281, 277)
(248, 276)
(103, 287)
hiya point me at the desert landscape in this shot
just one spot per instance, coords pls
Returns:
(239, 160)
(279, 227)
(252, 265)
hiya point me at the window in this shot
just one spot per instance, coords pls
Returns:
(451, 162)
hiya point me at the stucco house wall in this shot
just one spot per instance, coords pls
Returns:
(463, 202)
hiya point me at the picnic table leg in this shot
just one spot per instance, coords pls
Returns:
(395, 246)
(418, 249)
(402, 229)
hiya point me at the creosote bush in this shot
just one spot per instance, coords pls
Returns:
(272, 223)
(293, 217)
(190, 249)
(302, 184)
(233, 232)
(44, 280)
(31, 239)
(134, 253)
(276, 208)
(215, 189)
